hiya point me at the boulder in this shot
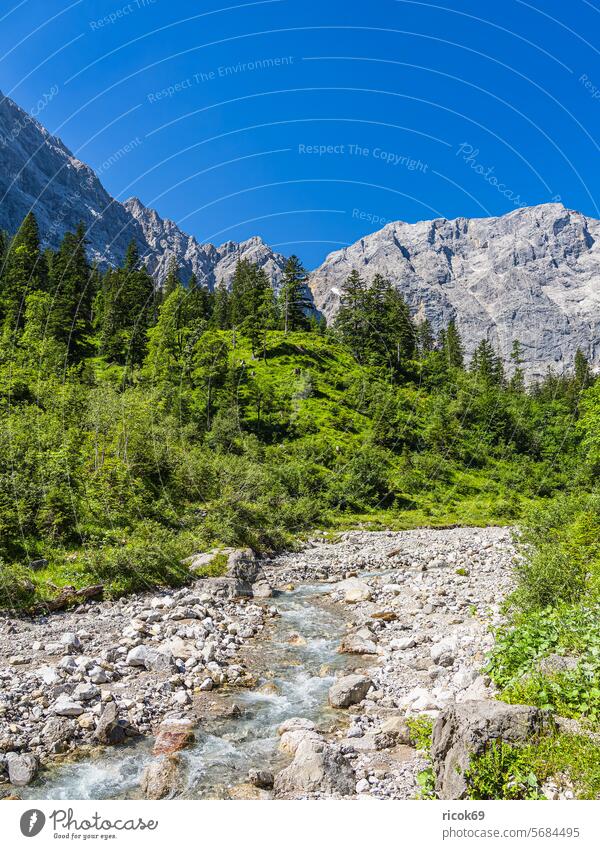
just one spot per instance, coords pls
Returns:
(57, 732)
(22, 768)
(396, 728)
(109, 730)
(151, 659)
(354, 590)
(296, 723)
(318, 767)
(291, 740)
(466, 729)
(66, 706)
(357, 644)
(349, 690)
(161, 778)
(173, 735)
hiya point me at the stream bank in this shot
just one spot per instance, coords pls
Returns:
(410, 610)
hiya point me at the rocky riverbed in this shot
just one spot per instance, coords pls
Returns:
(237, 670)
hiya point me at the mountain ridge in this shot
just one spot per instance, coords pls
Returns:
(42, 175)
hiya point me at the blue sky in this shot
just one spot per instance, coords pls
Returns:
(313, 123)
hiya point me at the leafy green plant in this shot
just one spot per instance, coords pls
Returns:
(502, 772)
(420, 729)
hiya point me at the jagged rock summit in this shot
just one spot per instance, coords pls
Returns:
(38, 172)
(531, 275)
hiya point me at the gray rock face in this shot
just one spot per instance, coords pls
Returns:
(463, 730)
(531, 275)
(40, 173)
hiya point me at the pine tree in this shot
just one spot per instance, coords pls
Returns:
(128, 310)
(172, 281)
(453, 347)
(352, 319)
(294, 303)
(71, 287)
(517, 381)
(25, 271)
(486, 365)
(583, 374)
(210, 368)
(424, 338)
(221, 314)
(391, 340)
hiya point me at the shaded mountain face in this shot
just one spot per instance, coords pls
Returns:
(531, 275)
(38, 173)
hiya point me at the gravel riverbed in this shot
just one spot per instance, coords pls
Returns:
(412, 614)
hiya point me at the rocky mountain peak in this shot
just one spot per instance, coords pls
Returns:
(531, 275)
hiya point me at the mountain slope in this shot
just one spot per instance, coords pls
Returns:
(37, 172)
(531, 275)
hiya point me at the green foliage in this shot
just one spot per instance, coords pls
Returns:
(229, 418)
(502, 772)
(520, 648)
(149, 557)
(420, 729)
(518, 772)
(16, 587)
(215, 569)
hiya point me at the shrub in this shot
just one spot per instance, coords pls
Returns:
(502, 772)
(16, 588)
(150, 556)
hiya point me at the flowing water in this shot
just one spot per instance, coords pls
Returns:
(300, 656)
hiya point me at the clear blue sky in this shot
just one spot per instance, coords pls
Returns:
(416, 110)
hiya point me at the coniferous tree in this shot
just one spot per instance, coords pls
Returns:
(352, 319)
(424, 338)
(294, 303)
(517, 381)
(486, 365)
(172, 281)
(221, 314)
(71, 288)
(128, 310)
(583, 374)
(25, 271)
(453, 347)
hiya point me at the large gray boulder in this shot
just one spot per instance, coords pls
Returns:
(22, 768)
(349, 690)
(161, 779)
(318, 768)
(466, 729)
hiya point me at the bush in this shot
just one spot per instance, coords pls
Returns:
(16, 588)
(149, 557)
(502, 772)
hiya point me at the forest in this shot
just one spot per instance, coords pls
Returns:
(138, 425)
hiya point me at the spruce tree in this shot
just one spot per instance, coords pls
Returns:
(172, 281)
(517, 381)
(453, 347)
(71, 287)
(294, 303)
(583, 374)
(222, 308)
(352, 320)
(128, 310)
(25, 271)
